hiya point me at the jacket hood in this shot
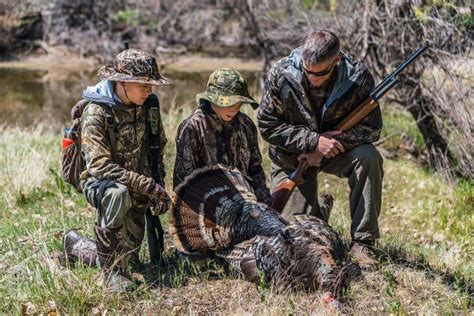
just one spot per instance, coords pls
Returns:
(103, 92)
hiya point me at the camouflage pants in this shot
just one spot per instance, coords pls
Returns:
(115, 209)
(363, 167)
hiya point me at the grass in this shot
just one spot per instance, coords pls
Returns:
(427, 230)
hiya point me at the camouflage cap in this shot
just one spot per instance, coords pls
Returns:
(133, 65)
(226, 87)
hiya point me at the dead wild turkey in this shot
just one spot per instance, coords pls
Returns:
(216, 211)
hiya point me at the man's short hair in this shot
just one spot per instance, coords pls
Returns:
(320, 47)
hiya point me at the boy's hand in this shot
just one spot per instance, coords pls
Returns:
(160, 199)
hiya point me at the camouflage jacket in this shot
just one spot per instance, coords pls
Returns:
(132, 167)
(205, 140)
(287, 120)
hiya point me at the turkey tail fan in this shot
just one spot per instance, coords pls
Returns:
(214, 208)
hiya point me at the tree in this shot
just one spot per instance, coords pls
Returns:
(433, 90)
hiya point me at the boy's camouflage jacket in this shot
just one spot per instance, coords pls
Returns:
(130, 136)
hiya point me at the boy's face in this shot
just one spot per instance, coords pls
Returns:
(228, 113)
(137, 93)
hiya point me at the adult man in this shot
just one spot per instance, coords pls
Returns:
(118, 179)
(306, 95)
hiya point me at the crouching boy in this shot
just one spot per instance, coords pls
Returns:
(123, 175)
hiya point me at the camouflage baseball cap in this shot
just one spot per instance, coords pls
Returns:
(133, 65)
(226, 87)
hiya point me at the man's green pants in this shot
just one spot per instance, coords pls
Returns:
(363, 167)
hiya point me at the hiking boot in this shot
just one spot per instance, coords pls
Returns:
(110, 253)
(326, 202)
(363, 253)
(79, 249)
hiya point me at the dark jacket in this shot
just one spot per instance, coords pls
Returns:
(288, 122)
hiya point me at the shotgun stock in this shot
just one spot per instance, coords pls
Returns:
(283, 190)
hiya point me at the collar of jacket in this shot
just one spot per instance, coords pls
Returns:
(350, 73)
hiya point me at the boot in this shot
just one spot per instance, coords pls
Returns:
(79, 249)
(110, 253)
(362, 252)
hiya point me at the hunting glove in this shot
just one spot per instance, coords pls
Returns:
(160, 199)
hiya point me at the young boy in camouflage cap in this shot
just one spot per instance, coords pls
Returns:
(121, 188)
(218, 133)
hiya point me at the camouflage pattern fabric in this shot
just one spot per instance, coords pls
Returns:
(225, 88)
(116, 211)
(130, 138)
(289, 122)
(205, 140)
(133, 65)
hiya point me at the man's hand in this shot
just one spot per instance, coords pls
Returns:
(328, 147)
(160, 199)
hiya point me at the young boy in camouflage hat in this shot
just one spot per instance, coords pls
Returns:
(121, 188)
(218, 133)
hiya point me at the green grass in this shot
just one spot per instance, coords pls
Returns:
(398, 126)
(426, 223)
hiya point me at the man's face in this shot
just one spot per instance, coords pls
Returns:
(226, 114)
(137, 93)
(319, 74)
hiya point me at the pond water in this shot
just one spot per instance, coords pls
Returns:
(30, 97)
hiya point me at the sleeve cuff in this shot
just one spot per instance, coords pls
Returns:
(312, 142)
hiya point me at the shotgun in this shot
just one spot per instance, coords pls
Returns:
(283, 190)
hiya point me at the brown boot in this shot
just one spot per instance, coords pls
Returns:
(363, 253)
(79, 249)
(110, 252)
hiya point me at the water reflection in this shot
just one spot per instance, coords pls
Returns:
(31, 97)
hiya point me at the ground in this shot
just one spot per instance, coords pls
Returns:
(427, 230)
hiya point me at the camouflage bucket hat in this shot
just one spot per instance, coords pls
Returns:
(133, 65)
(225, 88)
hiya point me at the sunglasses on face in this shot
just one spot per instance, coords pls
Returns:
(320, 73)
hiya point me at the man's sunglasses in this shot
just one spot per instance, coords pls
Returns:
(320, 73)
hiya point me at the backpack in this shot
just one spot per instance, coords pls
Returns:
(72, 162)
